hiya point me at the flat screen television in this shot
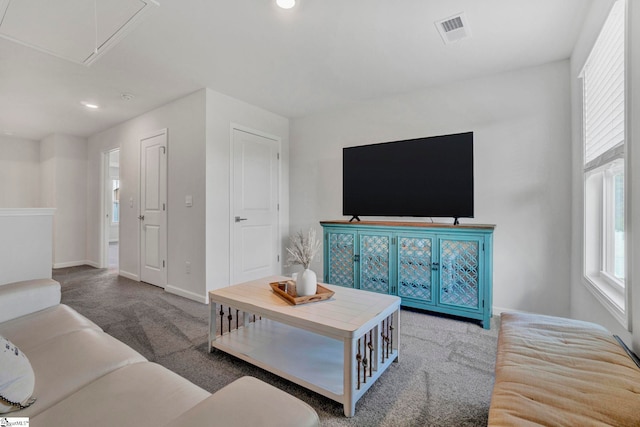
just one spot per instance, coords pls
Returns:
(423, 177)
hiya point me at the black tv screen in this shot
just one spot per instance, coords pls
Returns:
(423, 177)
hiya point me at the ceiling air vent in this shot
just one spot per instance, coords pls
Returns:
(453, 28)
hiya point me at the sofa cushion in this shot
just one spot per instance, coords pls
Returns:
(555, 371)
(249, 402)
(16, 377)
(21, 298)
(69, 362)
(33, 329)
(143, 394)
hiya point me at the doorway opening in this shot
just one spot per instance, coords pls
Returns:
(111, 212)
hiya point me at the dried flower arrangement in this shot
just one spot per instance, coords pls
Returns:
(303, 248)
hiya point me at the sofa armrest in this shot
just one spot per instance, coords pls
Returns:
(249, 402)
(21, 298)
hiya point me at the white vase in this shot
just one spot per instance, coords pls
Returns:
(307, 283)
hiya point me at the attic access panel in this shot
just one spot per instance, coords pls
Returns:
(70, 29)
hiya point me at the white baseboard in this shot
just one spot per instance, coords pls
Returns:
(186, 294)
(92, 264)
(497, 311)
(129, 275)
(72, 264)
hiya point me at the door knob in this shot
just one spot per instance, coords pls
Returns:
(238, 219)
(141, 217)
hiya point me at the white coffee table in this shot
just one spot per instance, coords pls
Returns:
(337, 348)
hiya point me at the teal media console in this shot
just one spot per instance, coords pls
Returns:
(431, 266)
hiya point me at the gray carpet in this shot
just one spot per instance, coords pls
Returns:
(444, 377)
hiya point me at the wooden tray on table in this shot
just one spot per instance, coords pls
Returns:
(322, 294)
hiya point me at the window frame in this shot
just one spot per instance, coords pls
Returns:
(599, 194)
(609, 217)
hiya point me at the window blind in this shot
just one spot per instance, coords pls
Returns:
(603, 92)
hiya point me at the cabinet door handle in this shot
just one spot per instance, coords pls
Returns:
(238, 219)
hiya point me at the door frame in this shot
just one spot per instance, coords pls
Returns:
(105, 219)
(165, 132)
(278, 141)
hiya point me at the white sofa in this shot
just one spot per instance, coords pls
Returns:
(85, 377)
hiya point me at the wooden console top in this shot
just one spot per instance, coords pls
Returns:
(411, 224)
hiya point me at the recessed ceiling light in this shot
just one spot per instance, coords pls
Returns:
(286, 4)
(90, 105)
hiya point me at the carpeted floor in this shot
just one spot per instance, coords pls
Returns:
(444, 377)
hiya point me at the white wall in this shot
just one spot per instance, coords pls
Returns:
(199, 140)
(70, 216)
(25, 248)
(47, 173)
(19, 172)
(185, 121)
(63, 186)
(521, 125)
(583, 304)
(222, 111)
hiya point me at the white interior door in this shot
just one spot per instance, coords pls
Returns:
(254, 216)
(153, 209)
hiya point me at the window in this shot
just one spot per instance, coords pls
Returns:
(115, 213)
(603, 85)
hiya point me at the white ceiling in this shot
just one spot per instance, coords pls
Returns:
(320, 55)
(77, 30)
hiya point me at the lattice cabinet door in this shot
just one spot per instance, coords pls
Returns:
(460, 272)
(415, 267)
(375, 262)
(440, 268)
(340, 251)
